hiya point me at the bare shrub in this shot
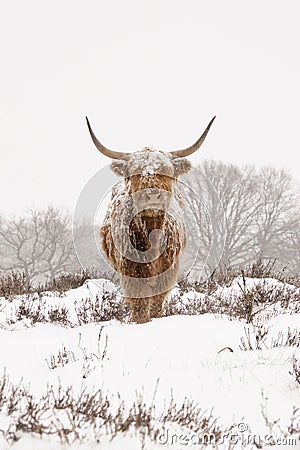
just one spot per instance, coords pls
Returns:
(257, 298)
(35, 309)
(225, 275)
(292, 339)
(201, 298)
(14, 283)
(194, 306)
(263, 269)
(106, 307)
(63, 358)
(59, 315)
(274, 427)
(67, 416)
(256, 340)
(32, 308)
(67, 281)
(295, 372)
(197, 304)
(3, 390)
(90, 416)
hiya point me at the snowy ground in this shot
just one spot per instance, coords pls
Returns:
(240, 374)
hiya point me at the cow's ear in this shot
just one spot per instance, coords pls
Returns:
(181, 166)
(118, 166)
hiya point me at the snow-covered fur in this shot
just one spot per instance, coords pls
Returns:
(147, 260)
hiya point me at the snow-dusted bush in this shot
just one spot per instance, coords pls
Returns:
(66, 281)
(14, 283)
(89, 416)
(104, 307)
(35, 309)
(295, 372)
(257, 339)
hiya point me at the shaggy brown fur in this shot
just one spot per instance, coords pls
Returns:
(160, 274)
(167, 260)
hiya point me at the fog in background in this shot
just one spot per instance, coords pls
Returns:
(146, 73)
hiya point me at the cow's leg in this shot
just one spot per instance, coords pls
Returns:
(140, 309)
(156, 305)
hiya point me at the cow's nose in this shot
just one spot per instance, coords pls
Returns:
(153, 195)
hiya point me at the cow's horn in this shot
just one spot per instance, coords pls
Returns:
(110, 153)
(188, 151)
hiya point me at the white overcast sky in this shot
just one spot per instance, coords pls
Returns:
(146, 72)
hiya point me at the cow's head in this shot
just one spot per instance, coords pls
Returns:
(148, 173)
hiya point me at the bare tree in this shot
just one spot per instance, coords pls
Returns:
(255, 214)
(277, 216)
(42, 244)
(205, 223)
(17, 246)
(55, 242)
(39, 243)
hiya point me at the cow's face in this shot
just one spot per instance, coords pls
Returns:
(150, 174)
(147, 163)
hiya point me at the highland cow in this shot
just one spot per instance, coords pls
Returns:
(143, 233)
